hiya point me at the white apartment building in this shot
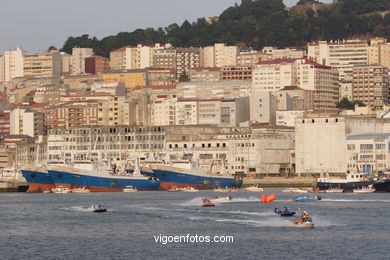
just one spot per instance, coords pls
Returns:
(220, 55)
(26, 122)
(186, 112)
(303, 73)
(13, 64)
(2, 69)
(283, 53)
(163, 111)
(368, 153)
(78, 60)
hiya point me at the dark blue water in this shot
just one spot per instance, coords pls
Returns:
(61, 226)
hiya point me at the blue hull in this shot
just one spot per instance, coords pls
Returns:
(171, 179)
(38, 181)
(97, 183)
(380, 186)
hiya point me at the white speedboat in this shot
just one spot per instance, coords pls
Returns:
(295, 190)
(61, 190)
(334, 190)
(80, 190)
(254, 188)
(306, 224)
(367, 189)
(189, 189)
(129, 189)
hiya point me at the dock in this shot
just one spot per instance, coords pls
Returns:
(280, 182)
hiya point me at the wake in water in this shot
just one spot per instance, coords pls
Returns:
(354, 200)
(198, 201)
(79, 209)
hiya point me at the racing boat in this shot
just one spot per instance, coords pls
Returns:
(99, 208)
(307, 198)
(207, 203)
(285, 212)
(255, 188)
(306, 224)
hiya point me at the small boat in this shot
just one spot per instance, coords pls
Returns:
(98, 208)
(255, 188)
(80, 190)
(307, 198)
(334, 190)
(367, 189)
(221, 198)
(285, 212)
(61, 190)
(189, 189)
(174, 189)
(306, 224)
(129, 189)
(207, 203)
(46, 191)
(295, 190)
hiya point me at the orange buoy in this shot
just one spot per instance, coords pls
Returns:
(263, 199)
(270, 198)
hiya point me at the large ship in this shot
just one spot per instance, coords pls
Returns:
(175, 177)
(353, 181)
(39, 180)
(100, 179)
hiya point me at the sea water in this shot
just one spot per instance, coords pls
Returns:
(63, 226)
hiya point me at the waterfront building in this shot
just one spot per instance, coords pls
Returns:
(78, 60)
(96, 64)
(368, 153)
(42, 64)
(371, 85)
(261, 151)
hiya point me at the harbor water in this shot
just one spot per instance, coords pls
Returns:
(63, 226)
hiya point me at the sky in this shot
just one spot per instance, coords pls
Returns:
(36, 25)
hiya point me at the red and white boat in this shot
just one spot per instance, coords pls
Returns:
(207, 203)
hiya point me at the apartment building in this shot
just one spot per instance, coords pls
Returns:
(43, 64)
(283, 53)
(236, 73)
(251, 58)
(205, 74)
(78, 60)
(26, 121)
(96, 64)
(14, 64)
(371, 86)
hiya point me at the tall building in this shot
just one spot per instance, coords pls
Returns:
(43, 64)
(13, 64)
(78, 60)
(26, 121)
(220, 55)
(123, 58)
(373, 50)
(96, 64)
(2, 69)
(164, 58)
(303, 73)
(187, 59)
(384, 54)
(371, 85)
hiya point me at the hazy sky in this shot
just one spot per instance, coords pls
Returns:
(37, 24)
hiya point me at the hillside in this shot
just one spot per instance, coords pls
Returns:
(260, 23)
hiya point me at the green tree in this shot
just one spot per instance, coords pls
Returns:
(184, 77)
(345, 103)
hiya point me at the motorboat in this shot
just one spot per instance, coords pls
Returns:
(61, 190)
(99, 208)
(189, 189)
(254, 188)
(80, 190)
(307, 198)
(306, 224)
(334, 190)
(285, 212)
(46, 191)
(226, 190)
(221, 198)
(207, 203)
(129, 189)
(367, 189)
(295, 190)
